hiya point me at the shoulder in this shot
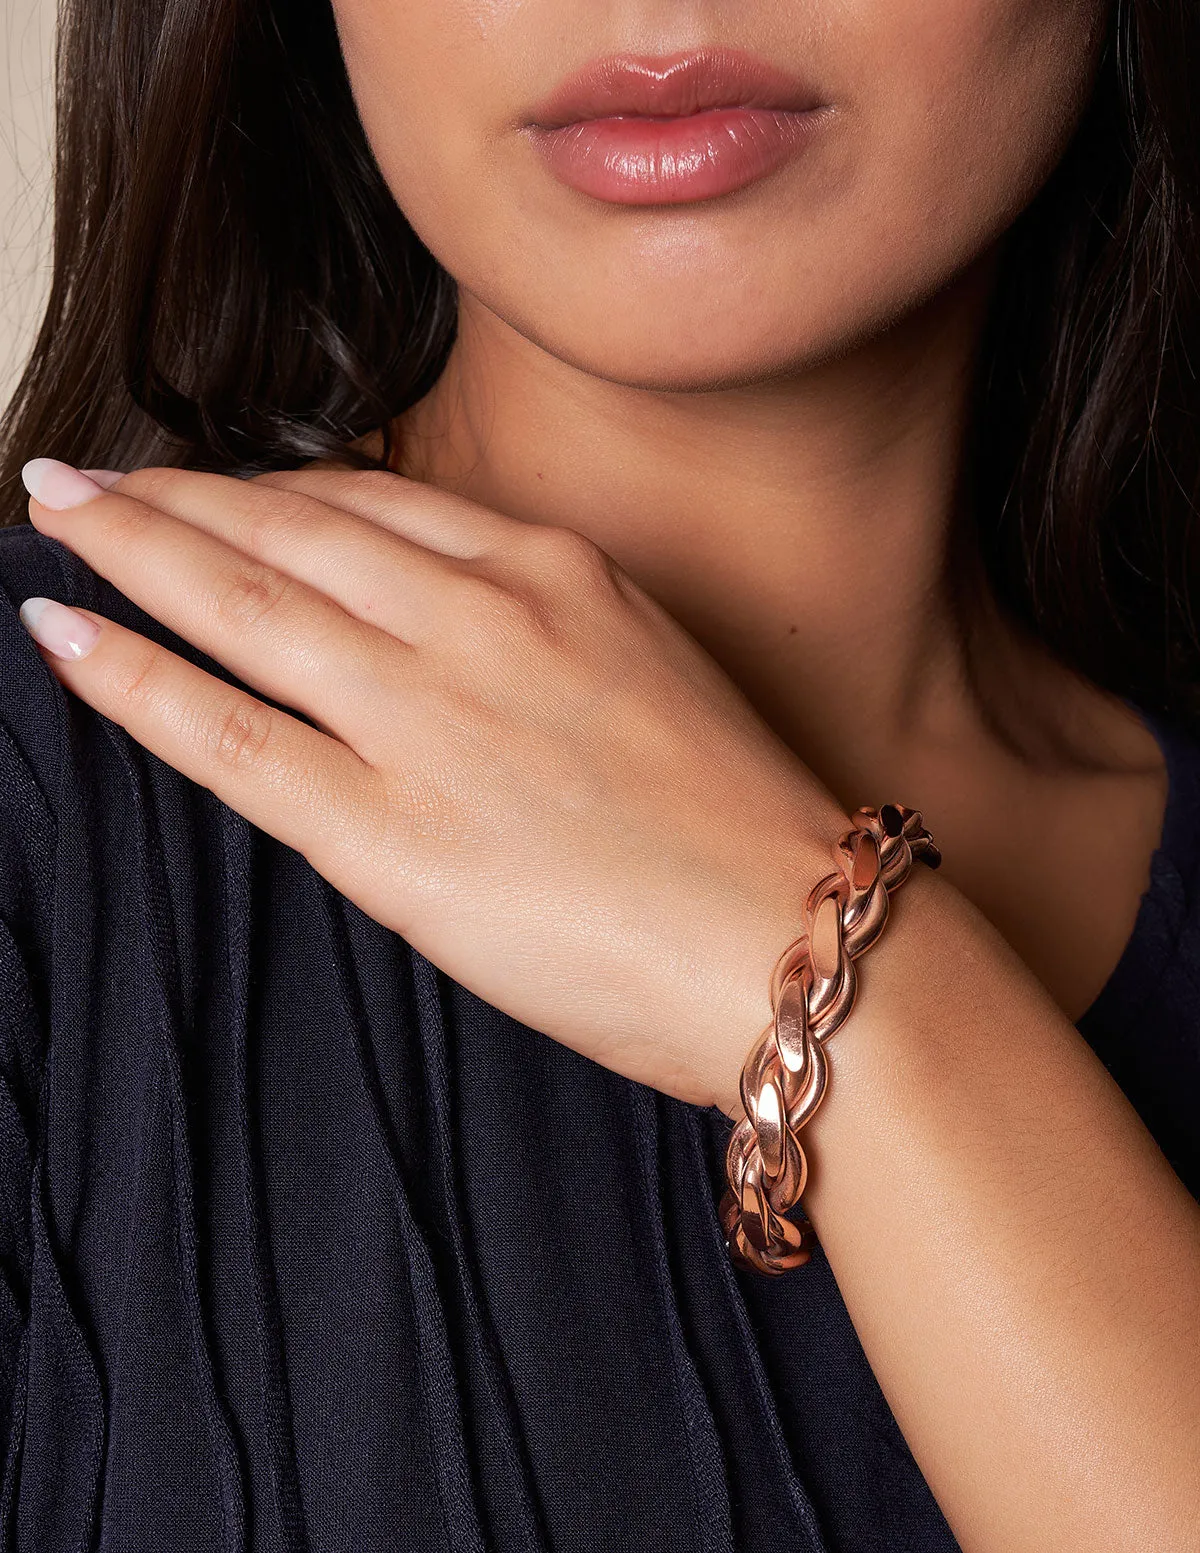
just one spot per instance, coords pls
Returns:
(32, 702)
(45, 723)
(77, 771)
(61, 762)
(33, 720)
(37, 716)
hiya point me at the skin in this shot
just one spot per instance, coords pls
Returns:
(842, 300)
(661, 603)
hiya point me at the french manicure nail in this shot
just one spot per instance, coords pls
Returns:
(61, 630)
(57, 485)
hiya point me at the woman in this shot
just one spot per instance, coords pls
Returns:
(757, 412)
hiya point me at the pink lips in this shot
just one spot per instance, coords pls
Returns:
(643, 130)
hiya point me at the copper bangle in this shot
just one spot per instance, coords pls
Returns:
(813, 987)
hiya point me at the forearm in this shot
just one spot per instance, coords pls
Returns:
(1019, 1260)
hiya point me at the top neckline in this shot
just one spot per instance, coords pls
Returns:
(1149, 948)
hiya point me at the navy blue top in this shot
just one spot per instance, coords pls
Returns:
(304, 1246)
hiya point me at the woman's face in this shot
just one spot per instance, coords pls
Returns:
(863, 155)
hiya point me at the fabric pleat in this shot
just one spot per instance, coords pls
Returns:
(452, 1476)
(496, 1454)
(710, 1491)
(237, 879)
(168, 1021)
(770, 1492)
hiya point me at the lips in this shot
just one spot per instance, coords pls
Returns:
(645, 130)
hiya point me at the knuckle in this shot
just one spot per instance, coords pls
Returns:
(274, 479)
(569, 543)
(491, 606)
(249, 594)
(241, 733)
(375, 482)
(269, 519)
(127, 519)
(147, 485)
(135, 678)
(310, 483)
(566, 553)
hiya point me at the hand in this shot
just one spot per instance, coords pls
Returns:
(514, 757)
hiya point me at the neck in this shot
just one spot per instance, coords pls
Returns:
(798, 528)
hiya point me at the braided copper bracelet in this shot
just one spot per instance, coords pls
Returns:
(812, 991)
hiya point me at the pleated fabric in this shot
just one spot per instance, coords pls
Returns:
(304, 1247)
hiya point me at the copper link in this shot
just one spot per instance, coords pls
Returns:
(813, 987)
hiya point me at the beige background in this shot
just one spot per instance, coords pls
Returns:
(26, 117)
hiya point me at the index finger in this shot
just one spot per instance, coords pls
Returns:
(291, 780)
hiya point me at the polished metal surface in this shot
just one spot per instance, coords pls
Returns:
(813, 987)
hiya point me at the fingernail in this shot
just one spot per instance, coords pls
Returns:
(62, 631)
(58, 485)
(106, 478)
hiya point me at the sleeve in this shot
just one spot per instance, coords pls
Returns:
(31, 723)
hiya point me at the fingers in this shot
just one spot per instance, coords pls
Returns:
(290, 780)
(341, 535)
(421, 513)
(373, 571)
(286, 638)
(468, 540)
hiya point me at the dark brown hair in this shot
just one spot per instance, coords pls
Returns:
(234, 288)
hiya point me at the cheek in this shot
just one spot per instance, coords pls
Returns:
(971, 105)
(417, 69)
(433, 83)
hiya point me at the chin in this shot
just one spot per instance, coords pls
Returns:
(708, 342)
(671, 366)
(704, 318)
(689, 356)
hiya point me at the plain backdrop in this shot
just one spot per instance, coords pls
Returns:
(26, 120)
